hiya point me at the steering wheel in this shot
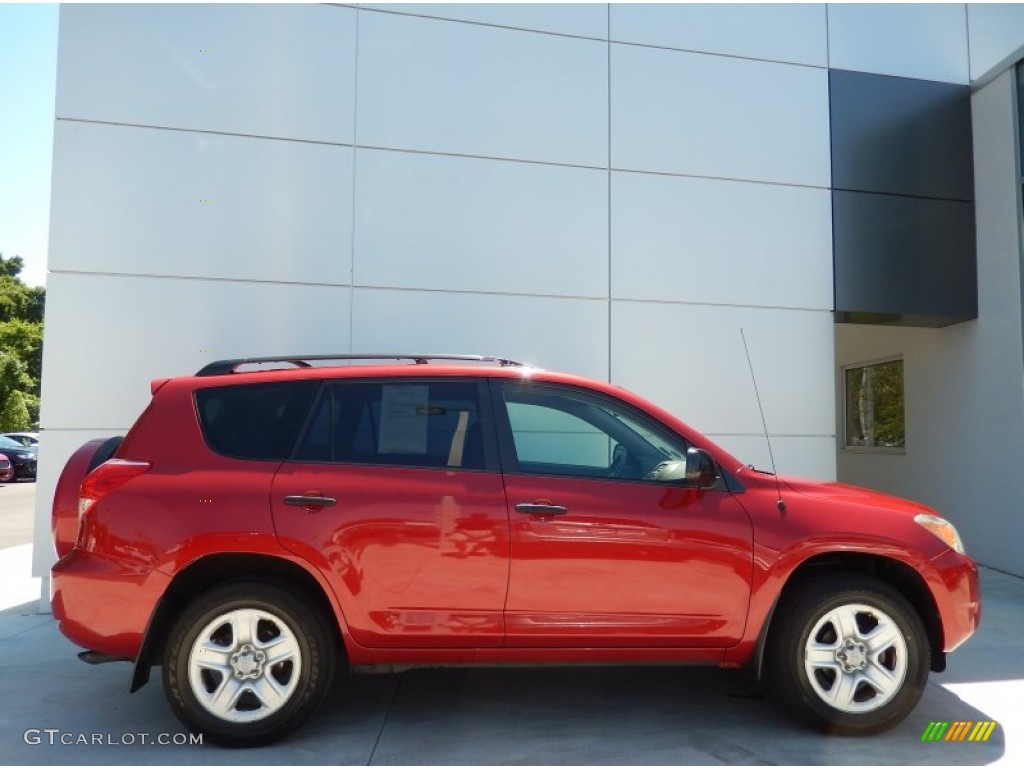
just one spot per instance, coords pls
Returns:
(620, 456)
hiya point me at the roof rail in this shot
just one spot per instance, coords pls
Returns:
(221, 367)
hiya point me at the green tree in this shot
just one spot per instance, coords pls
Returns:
(15, 416)
(17, 300)
(11, 267)
(24, 340)
(13, 377)
(21, 345)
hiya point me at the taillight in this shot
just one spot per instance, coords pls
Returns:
(107, 477)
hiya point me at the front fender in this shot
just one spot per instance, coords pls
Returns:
(774, 571)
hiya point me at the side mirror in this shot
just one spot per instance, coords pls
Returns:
(701, 471)
(697, 471)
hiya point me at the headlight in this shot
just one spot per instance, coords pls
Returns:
(943, 529)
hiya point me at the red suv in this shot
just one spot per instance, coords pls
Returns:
(269, 520)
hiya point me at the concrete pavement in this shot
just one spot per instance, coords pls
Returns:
(640, 715)
(17, 510)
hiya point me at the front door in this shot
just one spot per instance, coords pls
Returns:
(601, 555)
(395, 494)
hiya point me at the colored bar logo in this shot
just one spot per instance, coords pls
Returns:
(959, 730)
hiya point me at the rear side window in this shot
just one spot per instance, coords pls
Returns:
(255, 421)
(406, 423)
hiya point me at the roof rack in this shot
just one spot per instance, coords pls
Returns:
(221, 367)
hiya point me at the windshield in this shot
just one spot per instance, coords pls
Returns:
(6, 442)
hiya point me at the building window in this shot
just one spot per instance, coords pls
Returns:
(874, 407)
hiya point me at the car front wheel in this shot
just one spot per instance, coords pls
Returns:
(849, 655)
(247, 664)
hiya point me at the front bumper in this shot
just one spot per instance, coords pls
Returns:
(24, 467)
(954, 584)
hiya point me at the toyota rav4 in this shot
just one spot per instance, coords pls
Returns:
(269, 521)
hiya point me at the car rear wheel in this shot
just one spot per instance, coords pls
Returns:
(849, 655)
(247, 664)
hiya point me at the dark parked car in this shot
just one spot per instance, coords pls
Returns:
(28, 439)
(23, 459)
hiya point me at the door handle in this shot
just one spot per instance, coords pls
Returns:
(542, 509)
(310, 503)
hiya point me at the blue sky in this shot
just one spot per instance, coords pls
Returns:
(28, 75)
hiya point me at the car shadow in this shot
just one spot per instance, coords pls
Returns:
(619, 715)
(514, 715)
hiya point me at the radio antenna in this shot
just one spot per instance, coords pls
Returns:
(771, 456)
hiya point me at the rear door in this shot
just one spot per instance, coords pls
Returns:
(394, 493)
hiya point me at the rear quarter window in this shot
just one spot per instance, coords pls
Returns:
(254, 421)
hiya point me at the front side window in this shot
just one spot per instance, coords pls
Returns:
(556, 431)
(874, 406)
(406, 423)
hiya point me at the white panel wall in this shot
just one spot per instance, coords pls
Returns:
(108, 336)
(456, 223)
(802, 456)
(771, 31)
(996, 32)
(694, 114)
(926, 40)
(691, 359)
(565, 334)
(723, 221)
(270, 70)
(441, 86)
(147, 201)
(708, 241)
(578, 19)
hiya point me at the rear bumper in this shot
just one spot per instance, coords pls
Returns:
(954, 584)
(103, 604)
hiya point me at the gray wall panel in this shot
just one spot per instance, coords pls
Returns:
(904, 256)
(902, 136)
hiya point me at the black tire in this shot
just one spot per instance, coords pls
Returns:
(261, 699)
(848, 654)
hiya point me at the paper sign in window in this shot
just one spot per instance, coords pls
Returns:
(402, 428)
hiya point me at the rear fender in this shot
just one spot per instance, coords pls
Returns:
(219, 567)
